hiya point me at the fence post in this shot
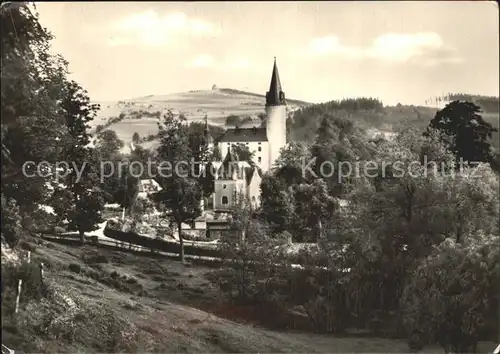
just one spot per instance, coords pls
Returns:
(41, 272)
(19, 285)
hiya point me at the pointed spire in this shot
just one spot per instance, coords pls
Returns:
(275, 96)
(229, 168)
(206, 135)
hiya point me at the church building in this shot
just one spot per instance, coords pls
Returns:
(235, 179)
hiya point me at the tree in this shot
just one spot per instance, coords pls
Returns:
(126, 184)
(276, 203)
(11, 222)
(462, 123)
(81, 195)
(136, 138)
(181, 198)
(181, 193)
(243, 153)
(31, 85)
(108, 145)
(473, 202)
(290, 162)
(312, 206)
(126, 189)
(174, 141)
(233, 120)
(452, 295)
(329, 150)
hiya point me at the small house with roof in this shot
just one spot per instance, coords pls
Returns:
(234, 180)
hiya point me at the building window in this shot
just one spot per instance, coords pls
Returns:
(224, 186)
(260, 159)
(260, 148)
(225, 201)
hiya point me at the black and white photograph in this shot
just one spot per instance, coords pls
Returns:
(250, 177)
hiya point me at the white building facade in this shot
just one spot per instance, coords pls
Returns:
(265, 143)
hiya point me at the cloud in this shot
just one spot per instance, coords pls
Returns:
(202, 61)
(149, 28)
(239, 64)
(436, 57)
(391, 47)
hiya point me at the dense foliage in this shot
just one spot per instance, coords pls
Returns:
(408, 247)
(391, 240)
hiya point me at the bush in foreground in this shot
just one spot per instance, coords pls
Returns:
(452, 296)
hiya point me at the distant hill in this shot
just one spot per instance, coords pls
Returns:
(238, 92)
(141, 114)
(489, 104)
(370, 114)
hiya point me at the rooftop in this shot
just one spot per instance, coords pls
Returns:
(244, 135)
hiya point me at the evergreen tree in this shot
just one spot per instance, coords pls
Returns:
(136, 138)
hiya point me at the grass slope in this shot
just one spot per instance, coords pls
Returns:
(114, 301)
(216, 104)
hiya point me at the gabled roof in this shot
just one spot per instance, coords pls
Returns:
(231, 164)
(244, 135)
(228, 166)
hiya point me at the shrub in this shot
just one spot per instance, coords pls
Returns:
(96, 258)
(32, 285)
(131, 281)
(129, 285)
(75, 268)
(11, 221)
(452, 297)
(27, 246)
(250, 265)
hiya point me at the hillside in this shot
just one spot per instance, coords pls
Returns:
(108, 300)
(372, 115)
(141, 114)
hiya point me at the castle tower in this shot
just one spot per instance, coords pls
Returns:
(276, 117)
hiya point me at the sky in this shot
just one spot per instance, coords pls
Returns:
(397, 51)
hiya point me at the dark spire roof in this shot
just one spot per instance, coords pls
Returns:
(206, 124)
(229, 166)
(275, 96)
(207, 135)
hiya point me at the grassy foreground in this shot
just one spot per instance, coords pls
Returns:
(101, 300)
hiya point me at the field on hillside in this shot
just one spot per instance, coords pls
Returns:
(194, 105)
(220, 103)
(114, 301)
(127, 127)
